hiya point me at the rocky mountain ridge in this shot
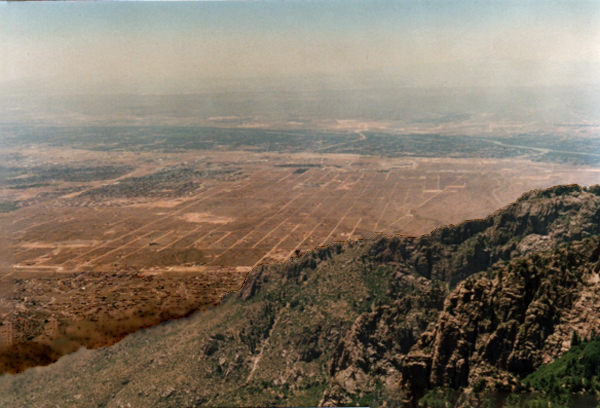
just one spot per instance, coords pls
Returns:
(538, 220)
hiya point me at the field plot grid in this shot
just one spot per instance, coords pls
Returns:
(272, 213)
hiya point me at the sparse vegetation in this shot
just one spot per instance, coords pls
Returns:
(6, 207)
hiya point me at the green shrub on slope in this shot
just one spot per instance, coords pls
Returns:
(577, 371)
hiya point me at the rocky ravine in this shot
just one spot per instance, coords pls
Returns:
(354, 321)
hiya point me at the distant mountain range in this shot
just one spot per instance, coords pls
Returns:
(457, 316)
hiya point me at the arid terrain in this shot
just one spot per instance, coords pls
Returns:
(105, 231)
(457, 318)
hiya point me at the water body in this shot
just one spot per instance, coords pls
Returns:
(539, 149)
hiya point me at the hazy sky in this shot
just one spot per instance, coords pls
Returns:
(136, 47)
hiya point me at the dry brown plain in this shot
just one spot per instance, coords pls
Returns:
(102, 253)
(269, 213)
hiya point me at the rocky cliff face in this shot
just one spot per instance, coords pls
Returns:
(538, 221)
(354, 321)
(371, 351)
(501, 325)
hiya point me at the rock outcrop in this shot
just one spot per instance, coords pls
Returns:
(501, 325)
(538, 221)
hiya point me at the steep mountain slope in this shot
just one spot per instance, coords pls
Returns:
(569, 381)
(501, 325)
(332, 326)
